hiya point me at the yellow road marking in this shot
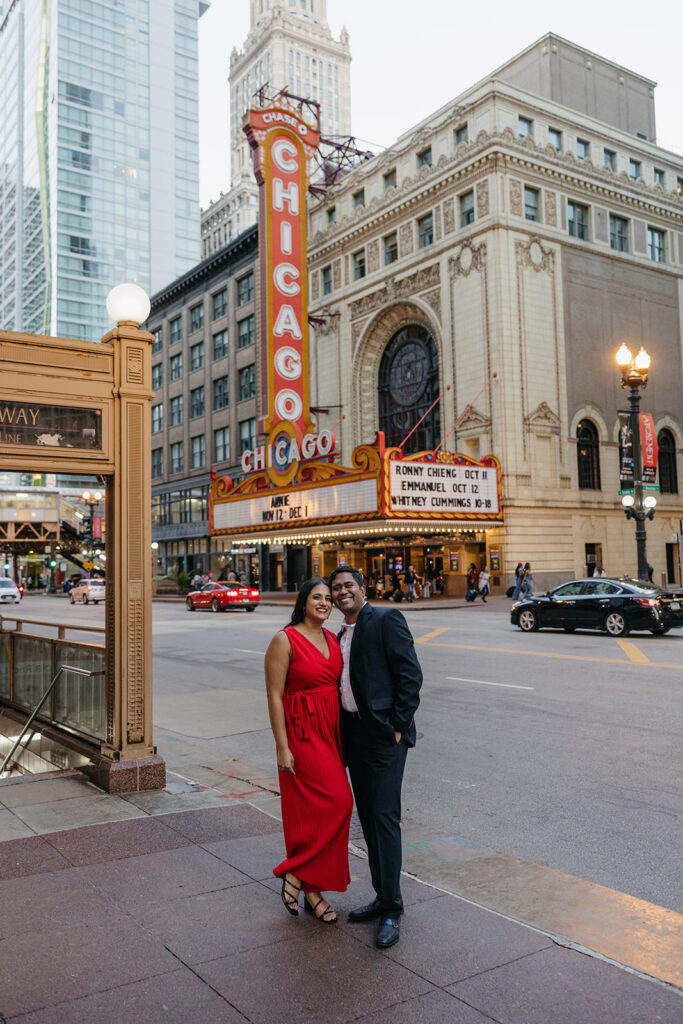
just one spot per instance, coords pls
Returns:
(525, 653)
(632, 652)
(430, 636)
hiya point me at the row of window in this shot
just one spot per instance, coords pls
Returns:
(609, 156)
(246, 388)
(186, 506)
(246, 335)
(221, 452)
(588, 458)
(578, 226)
(219, 308)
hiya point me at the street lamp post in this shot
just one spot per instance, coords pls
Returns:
(92, 499)
(633, 378)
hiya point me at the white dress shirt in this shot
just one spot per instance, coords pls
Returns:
(348, 702)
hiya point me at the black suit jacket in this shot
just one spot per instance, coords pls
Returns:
(385, 674)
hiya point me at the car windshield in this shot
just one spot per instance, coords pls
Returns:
(6, 583)
(643, 587)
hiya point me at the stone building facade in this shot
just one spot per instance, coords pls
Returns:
(526, 229)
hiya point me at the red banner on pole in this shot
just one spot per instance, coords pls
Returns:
(97, 527)
(648, 447)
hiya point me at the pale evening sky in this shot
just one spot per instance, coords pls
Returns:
(404, 68)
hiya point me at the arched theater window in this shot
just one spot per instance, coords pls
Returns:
(588, 456)
(408, 384)
(668, 475)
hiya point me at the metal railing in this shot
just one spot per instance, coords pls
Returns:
(17, 743)
(69, 672)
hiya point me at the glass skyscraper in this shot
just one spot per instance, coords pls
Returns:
(99, 163)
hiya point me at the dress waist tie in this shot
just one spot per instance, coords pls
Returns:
(303, 707)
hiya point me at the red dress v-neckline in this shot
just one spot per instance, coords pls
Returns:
(325, 656)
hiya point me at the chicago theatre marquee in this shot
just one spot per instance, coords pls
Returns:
(389, 505)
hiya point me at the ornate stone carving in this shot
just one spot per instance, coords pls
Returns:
(329, 324)
(434, 300)
(471, 257)
(448, 216)
(134, 367)
(543, 420)
(406, 239)
(372, 256)
(516, 197)
(474, 420)
(337, 274)
(315, 286)
(550, 202)
(482, 199)
(532, 254)
(437, 223)
(135, 725)
(424, 278)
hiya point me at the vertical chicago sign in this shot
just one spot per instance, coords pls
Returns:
(284, 145)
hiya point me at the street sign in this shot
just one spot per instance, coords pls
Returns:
(88, 565)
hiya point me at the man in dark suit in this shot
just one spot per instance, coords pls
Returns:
(380, 688)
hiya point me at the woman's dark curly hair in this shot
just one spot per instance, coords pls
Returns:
(299, 613)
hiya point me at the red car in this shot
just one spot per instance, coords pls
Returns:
(221, 596)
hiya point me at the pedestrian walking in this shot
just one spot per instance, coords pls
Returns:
(519, 577)
(380, 687)
(472, 580)
(483, 583)
(410, 579)
(527, 581)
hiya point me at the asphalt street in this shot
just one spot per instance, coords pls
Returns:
(563, 750)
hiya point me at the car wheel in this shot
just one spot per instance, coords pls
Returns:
(71, 599)
(569, 629)
(616, 624)
(660, 630)
(253, 609)
(84, 599)
(528, 620)
(215, 605)
(189, 604)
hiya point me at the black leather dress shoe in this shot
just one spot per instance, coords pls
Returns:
(388, 932)
(366, 913)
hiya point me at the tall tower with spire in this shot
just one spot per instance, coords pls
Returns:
(290, 46)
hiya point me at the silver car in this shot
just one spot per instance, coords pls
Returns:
(87, 592)
(9, 592)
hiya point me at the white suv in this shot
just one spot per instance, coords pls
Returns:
(87, 592)
(9, 591)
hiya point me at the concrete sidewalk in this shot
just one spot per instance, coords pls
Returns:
(162, 907)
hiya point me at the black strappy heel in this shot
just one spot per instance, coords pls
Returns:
(290, 896)
(311, 908)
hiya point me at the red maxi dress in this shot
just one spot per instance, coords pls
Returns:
(317, 801)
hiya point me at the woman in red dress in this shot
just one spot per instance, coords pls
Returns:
(303, 668)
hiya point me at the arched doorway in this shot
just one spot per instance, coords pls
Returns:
(408, 384)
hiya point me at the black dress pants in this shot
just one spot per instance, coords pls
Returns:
(376, 763)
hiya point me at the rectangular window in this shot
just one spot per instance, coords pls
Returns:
(157, 376)
(327, 280)
(461, 134)
(359, 198)
(246, 382)
(425, 231)
(609, 158)
(390, 249)
(679, 186)
(659, 176)
(245, 289)
(583, 149)
(176, 328)
(220, 303)
(176, 411)
(157, 462)
(197, 402)
(176, 366)
(245, 332)
(220, 393)
(359, 265)
(197, 356)
(618, 233)
(389, 179)
(577, 217)
(525, 126)
(220, 345)
(555, 138)
(634, 169)
(247, 435)
(177, 460)
(467, 208)
(198, 451)
(424, 158)
(157, 419)
(196, 318)
(655, 245)
(158, 342)
(221, 444)
(332, 215)
(531, 203)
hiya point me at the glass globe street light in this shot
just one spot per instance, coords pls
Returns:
(92, 498)
(634, 372)
(128, 304)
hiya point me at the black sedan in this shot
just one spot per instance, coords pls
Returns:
(615, 606)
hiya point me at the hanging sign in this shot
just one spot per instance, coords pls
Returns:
(648, 447)
(625, 451)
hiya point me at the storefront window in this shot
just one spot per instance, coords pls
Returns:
(408, 384)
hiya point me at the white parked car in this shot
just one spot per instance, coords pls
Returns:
(87, 592)
(9, 592)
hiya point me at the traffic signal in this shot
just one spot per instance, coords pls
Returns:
(6, 566)
(52, 563)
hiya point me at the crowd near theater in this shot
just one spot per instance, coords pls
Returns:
(456, 300)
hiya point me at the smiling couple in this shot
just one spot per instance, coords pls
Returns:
(335, 700)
